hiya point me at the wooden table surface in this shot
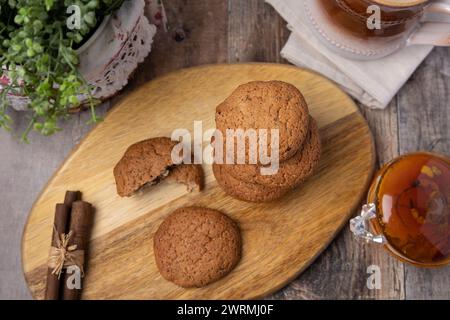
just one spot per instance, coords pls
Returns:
(230, 31)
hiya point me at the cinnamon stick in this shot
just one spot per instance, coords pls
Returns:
(61, 224)
(71, 197)
(80, 226)
(62, 214)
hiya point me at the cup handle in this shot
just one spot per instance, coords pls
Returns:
(437, 11)
(435, 34)
(360, 225)
(435, 27)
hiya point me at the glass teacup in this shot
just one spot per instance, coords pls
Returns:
(371, 29)
(408, 209)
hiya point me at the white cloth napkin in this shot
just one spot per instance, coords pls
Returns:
(373, 83)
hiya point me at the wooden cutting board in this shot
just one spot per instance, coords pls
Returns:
(280, 239)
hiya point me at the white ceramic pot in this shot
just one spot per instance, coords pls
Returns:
(112, 53)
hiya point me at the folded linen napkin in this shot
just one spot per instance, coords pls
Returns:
(374, 83)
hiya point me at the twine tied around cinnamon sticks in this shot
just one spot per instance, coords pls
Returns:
(69, 246)
(63, 256)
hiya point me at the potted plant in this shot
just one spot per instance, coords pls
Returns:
(51, 68)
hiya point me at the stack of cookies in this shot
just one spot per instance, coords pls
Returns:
(267, 105)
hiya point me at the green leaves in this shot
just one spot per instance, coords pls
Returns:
(90, 19)
(48, 4)
(37, 48)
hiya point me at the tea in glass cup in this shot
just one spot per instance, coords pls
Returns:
(372, 29)
(408, 209)
(397, 17)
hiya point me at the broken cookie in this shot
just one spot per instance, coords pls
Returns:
(149, 162)
(189, 174)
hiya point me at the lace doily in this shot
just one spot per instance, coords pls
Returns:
(110, 56)
(133, 52)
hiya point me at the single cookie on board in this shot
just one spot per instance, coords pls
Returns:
(195, 246)
(245, 191)
(291, 172)
(267, 105)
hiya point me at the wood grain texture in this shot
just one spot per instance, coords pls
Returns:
(25, 169)
(385, 129)
(280, 239)
(196, 35)
(255, 32)
(427, 128)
